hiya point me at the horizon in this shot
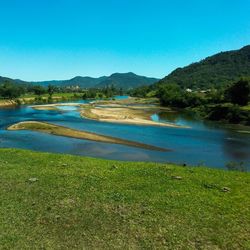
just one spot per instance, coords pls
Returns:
(81, 76)
(111, 73)
(44, 41)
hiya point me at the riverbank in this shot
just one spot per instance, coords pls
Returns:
(7, 103)
(43, 99)
(78, 134)
(56, 201)
(54, 106)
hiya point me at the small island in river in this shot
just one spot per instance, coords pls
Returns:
(135, 111)
(78, 134)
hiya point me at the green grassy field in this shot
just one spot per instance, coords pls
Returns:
(247, 108)
(52, 201)
(57, 95)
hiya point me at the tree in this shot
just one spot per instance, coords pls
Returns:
(51, 90)
(11, 91)
(38, 90)
(170, 95)
(239, 93)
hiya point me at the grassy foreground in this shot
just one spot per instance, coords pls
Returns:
(52, 201)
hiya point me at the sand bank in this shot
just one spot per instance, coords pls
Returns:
(78, 134)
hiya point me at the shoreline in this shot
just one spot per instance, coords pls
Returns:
(116, 112)
(8, 103)
(125, 115)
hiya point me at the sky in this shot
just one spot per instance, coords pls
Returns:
(60, 39)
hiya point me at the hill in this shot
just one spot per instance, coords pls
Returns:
(127, 80)
(119, 80)
(217, 70)
(81, 81)
(13, 81)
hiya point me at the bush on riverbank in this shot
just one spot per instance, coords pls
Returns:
(228, 113)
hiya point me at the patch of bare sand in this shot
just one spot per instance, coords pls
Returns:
(124, 115)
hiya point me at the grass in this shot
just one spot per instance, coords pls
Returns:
(82, 203)
(31, 98)
(56, 95)
(78, 134)
(247, 108)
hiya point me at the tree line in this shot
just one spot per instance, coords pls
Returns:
(9, 90)
(222, 103)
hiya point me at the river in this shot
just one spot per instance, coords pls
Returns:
(203, 144)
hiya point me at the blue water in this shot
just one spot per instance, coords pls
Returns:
(201, 144)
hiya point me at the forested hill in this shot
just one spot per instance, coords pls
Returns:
(216, 70)
(119, 80)
(127, 80)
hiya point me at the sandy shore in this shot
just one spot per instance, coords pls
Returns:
(53, 106)
(7, 103)
(78, 134)
(126, 115)
(128, 111)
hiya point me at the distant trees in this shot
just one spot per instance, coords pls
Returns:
(227, 112)
(51, 90)
(170, 95)
(38, 90)
(100, 93)
(141, 91)
(214, 71)
(239, 93)
(11, 91)
(219, 104)
(173, 95)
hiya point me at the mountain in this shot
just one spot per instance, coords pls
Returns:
(13, 81)
(127, 80)
(216, 70)
(83, 82)
(119, 80)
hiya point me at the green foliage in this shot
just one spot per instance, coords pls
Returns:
(239, 93)
(218, 70)
(236, 166)
(212, 104)
(51, 90)
(40, 100)
(216, 95)
(228, 112)
(101, 93)
(173, 95)
(10, 91)
(38, 90)
(141, 91)
(125, 81)
(170, 95)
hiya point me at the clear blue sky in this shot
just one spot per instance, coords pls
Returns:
(59, 39)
